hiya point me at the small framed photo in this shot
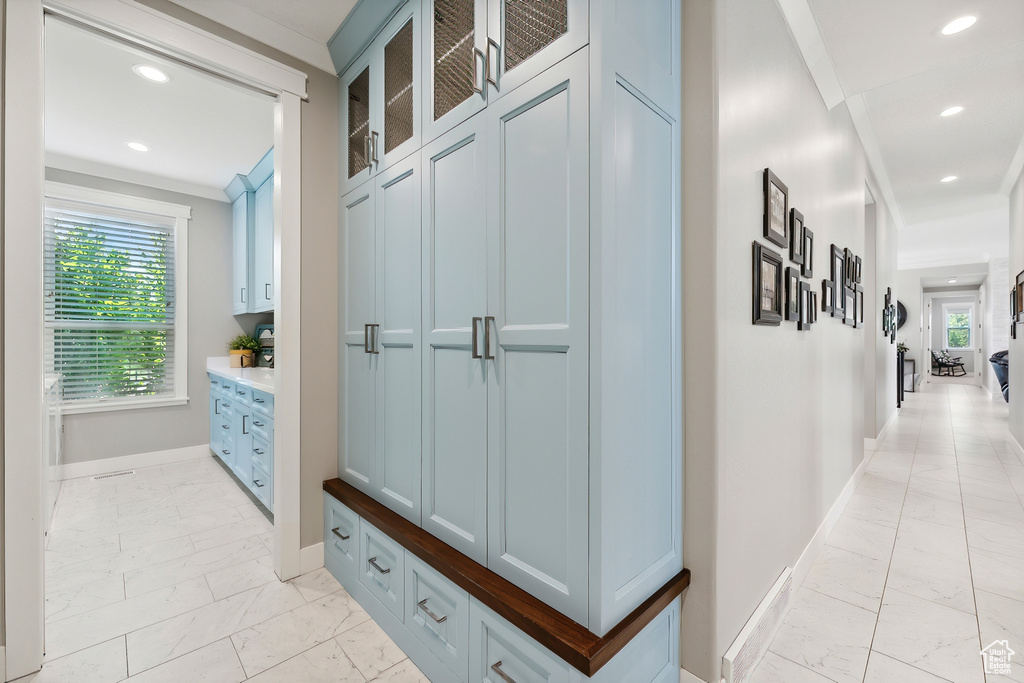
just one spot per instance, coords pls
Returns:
(768, 286)
(858, 309)
(838, 266)
(776, 210)
(848, 268)
(792, 294)
(858, 266)
(850, 306)
(814, 304)
(828, 296)
(796, 236)
(806, 316)
(807, 265)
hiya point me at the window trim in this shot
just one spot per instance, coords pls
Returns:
(181, 215)
(947, 310)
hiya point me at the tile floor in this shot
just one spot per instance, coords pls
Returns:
(926, 564)
(167, 575)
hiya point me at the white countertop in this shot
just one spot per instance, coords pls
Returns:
(257, 378)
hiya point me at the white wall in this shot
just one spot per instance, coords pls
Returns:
(880, 237)
(1016, 346)
(95, 436)
(775, 425)
(997, 319)
(939, 331)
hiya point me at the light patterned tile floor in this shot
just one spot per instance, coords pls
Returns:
(926, 565)
(166, 575)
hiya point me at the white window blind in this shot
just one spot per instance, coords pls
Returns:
(110, 302)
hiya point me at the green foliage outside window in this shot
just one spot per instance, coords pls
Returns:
(958, 330)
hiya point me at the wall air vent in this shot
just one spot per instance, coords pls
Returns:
(114, 474)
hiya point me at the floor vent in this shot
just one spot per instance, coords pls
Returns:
(752, 642)
(114, 474)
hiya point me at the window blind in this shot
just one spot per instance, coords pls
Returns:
(109, 279)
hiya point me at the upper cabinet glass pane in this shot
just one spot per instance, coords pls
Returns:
(398, 89)
(530, 25)
(453, 53)
(358, 122)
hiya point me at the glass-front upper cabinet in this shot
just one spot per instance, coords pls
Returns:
(380, 102)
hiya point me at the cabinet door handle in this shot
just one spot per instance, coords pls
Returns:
(242, 295)
(266, 291)
(374, 338)
(366, 151)
(375, 135)
(437, 620)
(366, 338)
(496, 668)
(258, 484)
(338, 534)
(373, 563)
(479, 70)
(216, 406)
(488, 321)
(476, 350)
(496, 49)
(244, 430)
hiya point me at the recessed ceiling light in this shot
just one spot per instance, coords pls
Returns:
(151, 73)
(948, 179)
(957, 25)
(952, 110)
(138, 146)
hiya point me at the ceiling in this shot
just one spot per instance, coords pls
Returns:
(201, 130)
(898, 72)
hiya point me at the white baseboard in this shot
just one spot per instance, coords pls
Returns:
(687, 677)
(1014, 444)
(872, 444)
(125, 462)
(311, 557)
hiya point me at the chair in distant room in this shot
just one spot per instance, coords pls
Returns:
(943, 361)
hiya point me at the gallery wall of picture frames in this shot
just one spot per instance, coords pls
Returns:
(779, 291)
(890, 317)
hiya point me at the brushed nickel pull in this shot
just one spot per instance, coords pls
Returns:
(373, 563)
(258, 484)
(366, 338)
(437, 620)
(225, 452)
(258, 451)
(258, 424)
(478, 59)
(476, 350)
(242, 296)
(243, 424)
(225, 426)
(375, 135)
(375, 338)
(266, 291)
(488, 321)
(339, 535)
(216, 406)
(496, 668)
(493, 80)
(366, 151)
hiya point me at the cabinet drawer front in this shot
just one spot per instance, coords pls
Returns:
(242, 394)
(437, 612)
(262, 401)
(341, 534)
(227, 448)
(262, 426)
(382, 568)
(226, 385)
(263, 453)
(262, 485)
(496, 646)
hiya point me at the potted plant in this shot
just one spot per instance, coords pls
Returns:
(243, 351)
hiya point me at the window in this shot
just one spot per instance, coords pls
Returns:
(115, 299)
(958, 326)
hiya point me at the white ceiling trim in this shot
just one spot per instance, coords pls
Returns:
(946, 261)
(130, 21)
(811, 44)
(1013, 173)
(94, 168)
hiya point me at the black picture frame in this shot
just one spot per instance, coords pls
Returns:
(849, 306)
(776, 210)
(796, 237)
(828, 296)
(848, 268)
(1013, 330)
(858, 269)
(768, 289)
(807, 266)
(858, 309)
(838, 265)
(806, 316)
(892, 328)
(792, 294)
(814, 305)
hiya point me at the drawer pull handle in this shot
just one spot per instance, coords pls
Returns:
(226, 452)
(225, 426)
(257, 424)
(257, 400)
(339, 535)
(258, 451)
(496, 668)
(258, 484)
(437, 620)
(373, 563)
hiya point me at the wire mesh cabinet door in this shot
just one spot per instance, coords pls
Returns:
(525, 37)
(454, 63)
(398, 53)
(357, 93)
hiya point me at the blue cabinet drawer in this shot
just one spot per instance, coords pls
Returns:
(262, 426)
(226, 385)
(242, 394)
(262, 485)
(382, 568)
(262, 453)
(498, 649)
(437, 613)
(262, 401)
(341, 535)
(227, 449)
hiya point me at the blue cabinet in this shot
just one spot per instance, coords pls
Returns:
(242, 434)
(252, 215)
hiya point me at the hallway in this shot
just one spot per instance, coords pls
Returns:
(926, 565)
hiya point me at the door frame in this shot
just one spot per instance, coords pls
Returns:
(977, 334)
(23, 590)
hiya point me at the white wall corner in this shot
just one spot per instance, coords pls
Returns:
(873, 444)
(687, 677)
(873, 151)
(311, 558)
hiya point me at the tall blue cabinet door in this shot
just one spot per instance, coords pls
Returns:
(538, 421)
(397, 340)
(454, 63)
(241, 220)
(454, 371)
(263, 247)
(358, 363)
(527, 37)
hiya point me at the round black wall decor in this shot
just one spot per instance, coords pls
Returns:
(901, 314)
